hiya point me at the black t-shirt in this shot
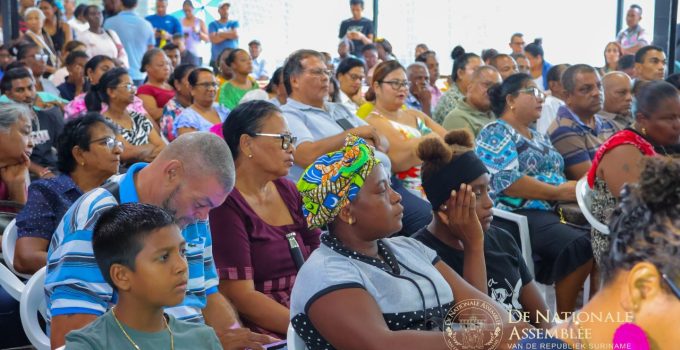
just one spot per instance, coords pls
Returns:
(363, 25)
(506, 271)
(45, 132)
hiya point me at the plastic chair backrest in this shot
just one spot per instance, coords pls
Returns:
(525, 239)
(585, 202)
(9, 242)
(11, 283)
(32, 302)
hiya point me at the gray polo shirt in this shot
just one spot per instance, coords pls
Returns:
(311, 124)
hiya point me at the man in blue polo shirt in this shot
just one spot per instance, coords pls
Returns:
(163, 24)
(223, 33)
(192, 175)
(135, 33)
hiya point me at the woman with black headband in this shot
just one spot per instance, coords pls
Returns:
(486, 256)
(361, 289)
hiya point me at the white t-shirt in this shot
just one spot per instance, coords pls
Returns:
(78, 26)
(548, 114)
(59, 76)
(102, 44)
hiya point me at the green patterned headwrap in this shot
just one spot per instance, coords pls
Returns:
(334, 180)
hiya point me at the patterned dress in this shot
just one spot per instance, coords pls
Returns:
(447, 103)
(603, 202)
(508, 155)
(139, 133)
(410, 178)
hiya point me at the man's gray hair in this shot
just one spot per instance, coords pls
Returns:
(203, 153)
(10, 113)
(414, 65)
(569, 75)
(293, 65)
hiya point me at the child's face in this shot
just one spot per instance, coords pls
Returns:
(160, 276)
(76, 71)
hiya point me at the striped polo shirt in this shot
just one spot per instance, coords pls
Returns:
(576, 141)
(75, 285)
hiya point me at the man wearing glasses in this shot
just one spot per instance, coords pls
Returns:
(321, 126)
(19, 86)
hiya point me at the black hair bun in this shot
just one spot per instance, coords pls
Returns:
(457, 52)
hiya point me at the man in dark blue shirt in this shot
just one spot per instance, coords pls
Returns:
(163, 24)
(358, 29)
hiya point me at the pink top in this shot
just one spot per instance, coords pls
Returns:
(162, 96)
(77, 107)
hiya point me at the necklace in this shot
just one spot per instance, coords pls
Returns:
(172, 338)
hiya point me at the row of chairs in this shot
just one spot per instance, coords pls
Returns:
(32, 301)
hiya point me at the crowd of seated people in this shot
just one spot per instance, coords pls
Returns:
(286, 217)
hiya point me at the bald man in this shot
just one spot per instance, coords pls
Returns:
(618, 98)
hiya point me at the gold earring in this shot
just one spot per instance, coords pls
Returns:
(644, 131)
(250, 156)
(351, 221)
(512, 108)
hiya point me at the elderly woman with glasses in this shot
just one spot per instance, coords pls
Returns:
(640, 296)
(363, 290)
(250, 229)
(204, 112)
(35, 22)
(403, 128)
(115, 88)
(527, 177)
(88, 154)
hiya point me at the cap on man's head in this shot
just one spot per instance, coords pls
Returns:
(224, 4)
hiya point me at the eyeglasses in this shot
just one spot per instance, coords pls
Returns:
(397, 84)
(355, 77)
(129, 87)
(40, 57)
(208, 85)
(536, 92)
(287, 140)
(674, 288)
(319, 72)
(109, 142)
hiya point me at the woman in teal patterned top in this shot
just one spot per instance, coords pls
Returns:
(527, 177)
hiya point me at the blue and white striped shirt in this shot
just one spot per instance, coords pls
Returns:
(75, 285)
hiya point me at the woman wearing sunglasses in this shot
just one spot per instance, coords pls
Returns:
(403, 128)
(250, 244)
(641, 271)
(115, 88)
(527, 177)
(88, 154)
(204, 112)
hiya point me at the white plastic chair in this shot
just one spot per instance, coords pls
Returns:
(525, 241)
(11, 283)
(585, 201)
(294, 341)
(9, 242)
(33, 301)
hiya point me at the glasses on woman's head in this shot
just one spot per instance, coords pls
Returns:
(287, 140)
(397, 84)
(536, 92)
(674, 288)
(129, 87)
(208, 85)
(110, 143)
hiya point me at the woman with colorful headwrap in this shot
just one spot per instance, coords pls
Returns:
(382, 293)
(486, 256)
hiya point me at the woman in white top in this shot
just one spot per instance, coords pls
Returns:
(100, 41)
